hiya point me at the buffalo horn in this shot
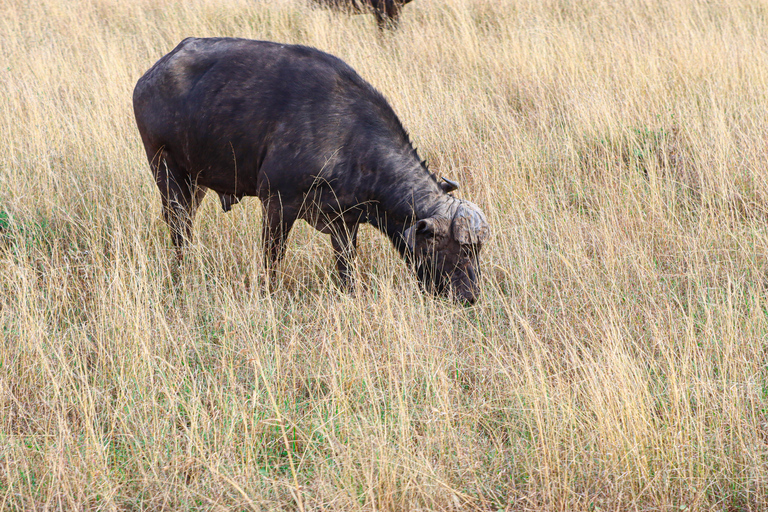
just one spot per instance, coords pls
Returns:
(449, 185)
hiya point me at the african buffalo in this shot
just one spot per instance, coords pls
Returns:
(386, 11)
(306, 134)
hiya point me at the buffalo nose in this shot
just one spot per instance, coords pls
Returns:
(467, 296)
(469, 290)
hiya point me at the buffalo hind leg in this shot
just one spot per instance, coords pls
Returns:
(276, 225)
(387, 13)
(344, 241)
(180, 199)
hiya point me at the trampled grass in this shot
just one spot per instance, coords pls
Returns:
(616, 361)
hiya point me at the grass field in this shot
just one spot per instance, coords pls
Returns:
(617, 360)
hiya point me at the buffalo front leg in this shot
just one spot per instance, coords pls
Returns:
(277, 223)
(344, 241)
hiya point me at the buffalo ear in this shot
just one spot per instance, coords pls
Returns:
(448, 186)
(421, 229)
(425, 227)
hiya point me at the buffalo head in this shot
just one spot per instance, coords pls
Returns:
(445, 252)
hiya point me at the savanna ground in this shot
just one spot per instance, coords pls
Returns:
(616, 361)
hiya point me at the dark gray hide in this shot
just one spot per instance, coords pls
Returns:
(302, 131)
(386, 12)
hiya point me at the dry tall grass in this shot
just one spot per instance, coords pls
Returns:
(616, 361)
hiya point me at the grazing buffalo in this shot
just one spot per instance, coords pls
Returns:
(305, 133)
(386, 11)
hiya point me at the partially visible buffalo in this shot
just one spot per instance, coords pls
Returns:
(302, 131)
(386, 11)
